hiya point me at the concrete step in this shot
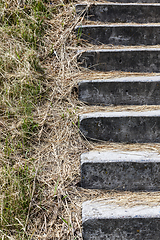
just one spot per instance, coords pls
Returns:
(131, 127)
(121, 12)
(120, 34)
(121, 91)
(108, 221)
(133, 171)
(121, 59)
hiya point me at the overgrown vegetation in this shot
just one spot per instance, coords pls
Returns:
(22, 91)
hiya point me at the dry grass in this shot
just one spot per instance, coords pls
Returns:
(40, 141)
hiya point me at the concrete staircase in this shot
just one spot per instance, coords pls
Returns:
(133, 31)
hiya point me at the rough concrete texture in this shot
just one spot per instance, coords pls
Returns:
(123, 34)
(126, 59)
(131, 171)
(121, 91)
(131, 127)
(121, 12)
(102, 220)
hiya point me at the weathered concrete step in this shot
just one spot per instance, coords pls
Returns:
(133, 171)
(120, 34)
(126, 59)
(121, 91)
(109, 221)
(132, 127)
(121, 12)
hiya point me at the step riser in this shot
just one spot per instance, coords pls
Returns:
(121, 13)
(121, 176)
(120, 93)
(121, 60)
(129, 171)
(120, 35)
(102, 220)
(111, 229)
(131, 129)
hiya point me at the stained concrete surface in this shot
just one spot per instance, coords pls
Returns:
(118, 170)
(126, 59)
(131, 127)
(121, 12)
(120, 34)
(121, 91)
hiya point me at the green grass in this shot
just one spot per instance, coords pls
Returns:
(16, 193)
(25, 22)
(22, 91)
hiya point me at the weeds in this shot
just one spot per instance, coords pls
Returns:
(79, 34)
(22, 91)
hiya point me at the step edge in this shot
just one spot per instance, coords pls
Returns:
(102, 209)
(123, 79)
(149, 25)
(119, 156)
(116, 4)
(138, 49)
(154, 113)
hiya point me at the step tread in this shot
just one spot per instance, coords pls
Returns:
(124, 49)
(120, 34)
(104, 210)
(125, 79)
(118, 25)
(117, 4)
(119, 156)
(154, 113)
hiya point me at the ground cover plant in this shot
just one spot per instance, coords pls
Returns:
(40, 142)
